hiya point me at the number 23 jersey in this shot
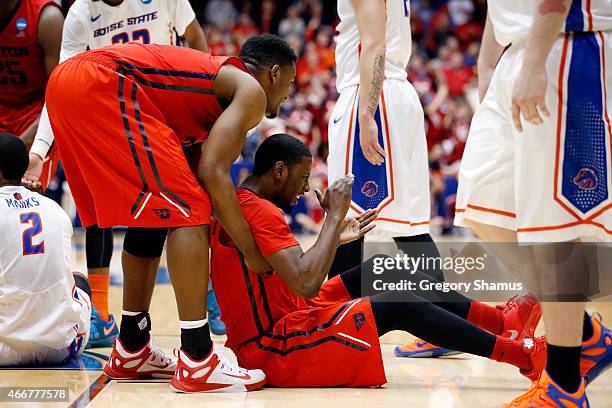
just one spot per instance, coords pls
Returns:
(94, 24)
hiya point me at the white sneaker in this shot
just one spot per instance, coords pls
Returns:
(148, 362)
(214, 374)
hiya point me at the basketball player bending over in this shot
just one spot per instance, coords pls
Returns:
(45, 308)
(303, 332)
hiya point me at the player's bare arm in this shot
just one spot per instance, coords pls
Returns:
(305, 272)
(49, 38)
(224, 143)
(528, 96)
(490, 52)
(371, 20)
(194, 35)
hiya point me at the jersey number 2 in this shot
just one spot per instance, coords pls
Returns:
(33, 220)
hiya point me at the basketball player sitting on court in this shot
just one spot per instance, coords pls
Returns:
(303, 332)
(45, 309)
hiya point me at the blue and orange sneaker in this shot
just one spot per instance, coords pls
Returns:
(544, 393)
(102, 333)
(418, 348)
(596, 356)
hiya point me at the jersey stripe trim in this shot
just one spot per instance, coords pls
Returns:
(165, 87)
(249, 287)
(171, 73)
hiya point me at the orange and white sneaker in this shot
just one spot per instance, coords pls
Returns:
(148, 362)
(213, 374)
(596, 354)
(521, 315)
(546, 394)
(536, 349)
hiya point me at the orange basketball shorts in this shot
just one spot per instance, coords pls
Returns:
(124, 165)
(331, 342)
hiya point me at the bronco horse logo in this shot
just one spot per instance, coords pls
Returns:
(370, 188)
(586, 179)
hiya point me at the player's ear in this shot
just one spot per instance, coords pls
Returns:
(278, 169)
(275, 73)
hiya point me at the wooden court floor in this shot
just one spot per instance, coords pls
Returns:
(460, 381)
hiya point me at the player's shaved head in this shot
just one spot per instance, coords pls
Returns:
(13, 157)
(279, 148)
(265, 51)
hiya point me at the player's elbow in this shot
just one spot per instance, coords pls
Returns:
(374, 45)
(208, 175)
(308, 291)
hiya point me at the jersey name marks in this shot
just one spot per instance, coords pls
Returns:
(28, 203)
(130, 21)
(14, 51)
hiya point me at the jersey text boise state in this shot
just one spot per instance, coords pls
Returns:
(130, 21)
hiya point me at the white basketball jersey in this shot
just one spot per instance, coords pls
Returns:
(36, 282)
(348, 45)
(512, 19)
(93, 24)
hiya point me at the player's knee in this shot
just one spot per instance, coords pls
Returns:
(145, 242)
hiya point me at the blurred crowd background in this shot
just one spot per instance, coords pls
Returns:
(446, 40)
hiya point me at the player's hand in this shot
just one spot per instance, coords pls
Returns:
(256, 262)
(337, 198)
(368, 137)
(528, 96)
(356, 227)
(31, 178)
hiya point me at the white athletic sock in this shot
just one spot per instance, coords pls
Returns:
(192, 324)
(128, 313)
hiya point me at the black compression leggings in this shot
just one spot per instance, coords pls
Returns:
(434, 316)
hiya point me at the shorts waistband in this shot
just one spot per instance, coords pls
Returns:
(99, 59)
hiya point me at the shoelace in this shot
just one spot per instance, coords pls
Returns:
(228, 365)
(158, 354)
(511, 303)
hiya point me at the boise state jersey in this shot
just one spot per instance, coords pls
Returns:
(512, 19)
(93, 24)
(348, 45)
(36, 282)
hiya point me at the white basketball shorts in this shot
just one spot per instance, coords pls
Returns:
(552, 182)
(399, 188)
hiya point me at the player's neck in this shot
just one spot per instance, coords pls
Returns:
(6, 7)
(113, 2)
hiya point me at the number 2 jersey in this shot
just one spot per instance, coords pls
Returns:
(23, 76)
(94, 24)
(37, 303)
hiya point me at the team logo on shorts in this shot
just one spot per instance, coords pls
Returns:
(21, 24)
(586, 179)
(359, 319)
(162, 213)
(370, 188)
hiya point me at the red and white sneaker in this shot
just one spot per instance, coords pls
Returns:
(521, 315)
(148, 362)
(213, 374)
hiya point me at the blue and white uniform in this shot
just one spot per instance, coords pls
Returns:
(551, 182)
(399, 188)
(44, 317)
